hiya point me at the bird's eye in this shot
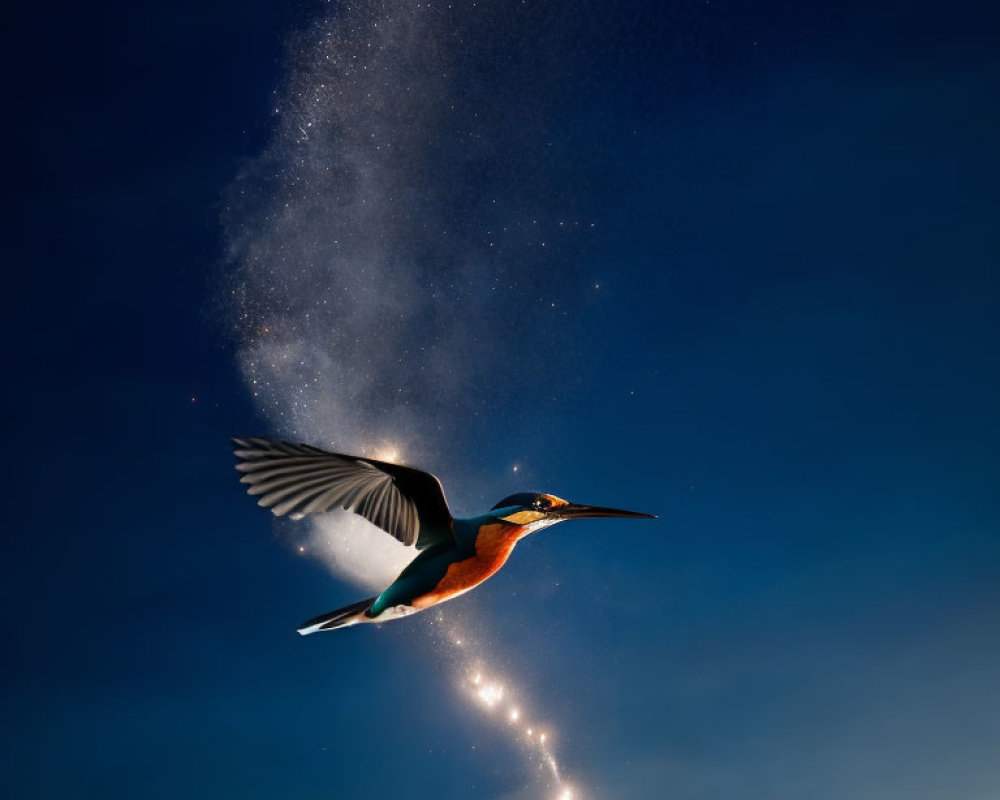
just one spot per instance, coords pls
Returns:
(542, 503)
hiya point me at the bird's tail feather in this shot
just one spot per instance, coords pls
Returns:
(348, 615)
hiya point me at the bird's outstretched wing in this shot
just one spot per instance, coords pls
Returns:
(297, 479)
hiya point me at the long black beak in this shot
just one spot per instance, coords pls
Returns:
(576, 511)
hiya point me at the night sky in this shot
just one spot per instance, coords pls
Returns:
(733, 264)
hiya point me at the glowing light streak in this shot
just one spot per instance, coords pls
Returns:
(491, 692)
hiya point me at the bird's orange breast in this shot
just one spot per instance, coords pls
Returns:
(493, 546)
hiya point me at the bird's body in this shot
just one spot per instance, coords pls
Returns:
(482, 546)
(456, 555)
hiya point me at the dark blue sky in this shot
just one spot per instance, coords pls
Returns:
(775, 326)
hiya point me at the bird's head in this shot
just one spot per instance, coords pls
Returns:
(535, 510)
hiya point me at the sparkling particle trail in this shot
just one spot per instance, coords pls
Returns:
(492, 693)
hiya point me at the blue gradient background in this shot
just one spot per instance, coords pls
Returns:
(792, 359)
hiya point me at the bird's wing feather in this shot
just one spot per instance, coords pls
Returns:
(298, 479)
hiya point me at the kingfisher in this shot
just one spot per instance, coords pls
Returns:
(454, 554)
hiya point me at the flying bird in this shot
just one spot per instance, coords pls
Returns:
(454, 554)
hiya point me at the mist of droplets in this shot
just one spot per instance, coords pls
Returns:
(381, 247)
